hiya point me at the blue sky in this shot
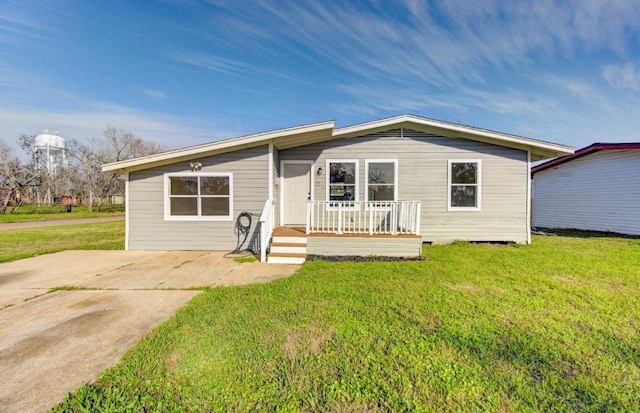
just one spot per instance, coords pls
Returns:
(188, 72)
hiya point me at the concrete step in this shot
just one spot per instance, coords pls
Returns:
(289, 248)
(285, 258)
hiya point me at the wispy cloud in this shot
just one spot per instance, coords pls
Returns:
(467, 60)
(461, 57)
(583, 91)
(441, 43)
(169, 130)
(210, 62)
(624, 77)
(384, 98)
(20, 28)
(155, 94)
(230, 66)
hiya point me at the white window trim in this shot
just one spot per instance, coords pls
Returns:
(478, 185)
(366, 176)
(328, 177)
(167, 203)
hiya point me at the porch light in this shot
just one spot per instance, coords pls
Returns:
(319, 171)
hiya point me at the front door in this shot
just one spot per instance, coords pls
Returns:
(295, 192)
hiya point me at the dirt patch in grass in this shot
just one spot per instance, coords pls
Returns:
(308, 341)
(609, 286)
(466, 287)
(171, 361)
(356, 407)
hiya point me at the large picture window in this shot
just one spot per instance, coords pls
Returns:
(342, 180)
(199, 196)
(464, 185)
(382, 180)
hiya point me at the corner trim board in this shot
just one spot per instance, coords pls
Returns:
(126, 212)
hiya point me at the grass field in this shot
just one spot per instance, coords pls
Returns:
(46, 213)
(554, 326)
(23, 243)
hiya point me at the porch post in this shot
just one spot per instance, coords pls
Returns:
(263, 243)
(394, 218)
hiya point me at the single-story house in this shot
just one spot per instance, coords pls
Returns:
(597, 189)
(378, 188)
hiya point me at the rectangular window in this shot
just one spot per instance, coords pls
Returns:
(342, 180)
(382, 180)
(464, 185)
(199, 196)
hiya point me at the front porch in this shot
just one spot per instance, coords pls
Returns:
(363, 217)
(344, 228)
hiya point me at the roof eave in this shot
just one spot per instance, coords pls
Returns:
(316, 131)
(539, 149)
(323, 131)
(588, 150)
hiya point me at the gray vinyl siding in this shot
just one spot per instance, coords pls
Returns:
(148, 229)
(364, 246)
(598, 192)
(423, 168)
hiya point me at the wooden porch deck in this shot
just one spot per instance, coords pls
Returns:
(289, 231)
(384, 245)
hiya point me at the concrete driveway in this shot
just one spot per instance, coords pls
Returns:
(52, 342)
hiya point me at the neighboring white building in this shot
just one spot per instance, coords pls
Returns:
(597, 189)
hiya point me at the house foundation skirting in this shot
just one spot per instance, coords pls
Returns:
(354, 245)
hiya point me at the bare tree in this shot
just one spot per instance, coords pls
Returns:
(15, 177)
(115, 145)
(118, 145)
(82, 178)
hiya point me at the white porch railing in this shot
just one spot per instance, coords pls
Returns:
(267, 223)
(367, 218)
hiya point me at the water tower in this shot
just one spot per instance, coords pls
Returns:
(50, 151)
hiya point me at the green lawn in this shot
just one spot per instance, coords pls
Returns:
(46, 213)
(23, 243)
(554, 326)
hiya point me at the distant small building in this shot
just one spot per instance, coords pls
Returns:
(69, 200)
(597, 188)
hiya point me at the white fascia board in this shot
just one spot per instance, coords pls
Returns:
(363, 127)
(215, 147)
(404, 120)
